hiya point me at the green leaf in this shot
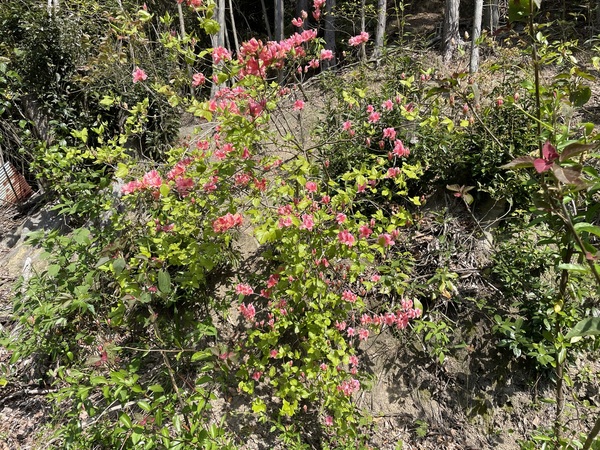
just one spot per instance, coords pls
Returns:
(573, 268)
(258, 406)
(581, 96)
(144, 405)
(587, 227)
(164, 282)
(53, 270)
(107, 100)
(126, 421)
(199, 356)
(118, 265)
(586, 327)
(122, 170)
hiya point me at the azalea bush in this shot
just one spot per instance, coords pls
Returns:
(129, 320)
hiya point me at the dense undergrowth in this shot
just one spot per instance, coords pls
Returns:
(129, 317)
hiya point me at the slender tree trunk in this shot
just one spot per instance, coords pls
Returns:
(475, 36)
(267, 22)
(329, 33)
(233, 27)
(381, 24)
(363, 50)
(491, 15)
(183, 36)
(451, 37)
(279, 26)
(218, 40)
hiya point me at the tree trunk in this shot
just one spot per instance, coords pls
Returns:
(475, 36)
(451, 37)
(279, 26)
(491, 15)
(233, 27)
(362, 50)
(218, 40)
(381, 23)
(329, 33)
(267, 22)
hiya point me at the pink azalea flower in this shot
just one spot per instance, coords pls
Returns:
(389, 133)
(226, 222)
(359, 39)
(326, 54)
(328, 421)
(273, 353)
(385, 240)
(323, 366)
(220, 54)
(311, 186)
(256, 375)
(298, 105)
(244, 289)
(399, 149)
(349, 296)
(374, 117)
(393, 172)
(363, 334)
(248, 311)
(388, 105)
(346, 238)
(307, 222)
(316, 14)
(184, 185)
(364, 231)
(298, 22)
(340, 218)
(139, 75)
(318, 3)
(152, 179)
(198, 79)
(131, 187)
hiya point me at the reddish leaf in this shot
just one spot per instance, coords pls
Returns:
(519, 163)
(549, 152)
(541, 165)
(575, 149)
(567, 176)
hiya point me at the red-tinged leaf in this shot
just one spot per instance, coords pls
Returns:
(541, 165)
(575, 149)
(519, 163)
(549, 151)
(567, 176)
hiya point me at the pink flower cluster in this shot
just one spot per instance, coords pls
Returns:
(358, 39)
(226, 222)
(248, 311)
(256, 57)
(244, 289)
(348, 387)
(139, 75)
(151, 179)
